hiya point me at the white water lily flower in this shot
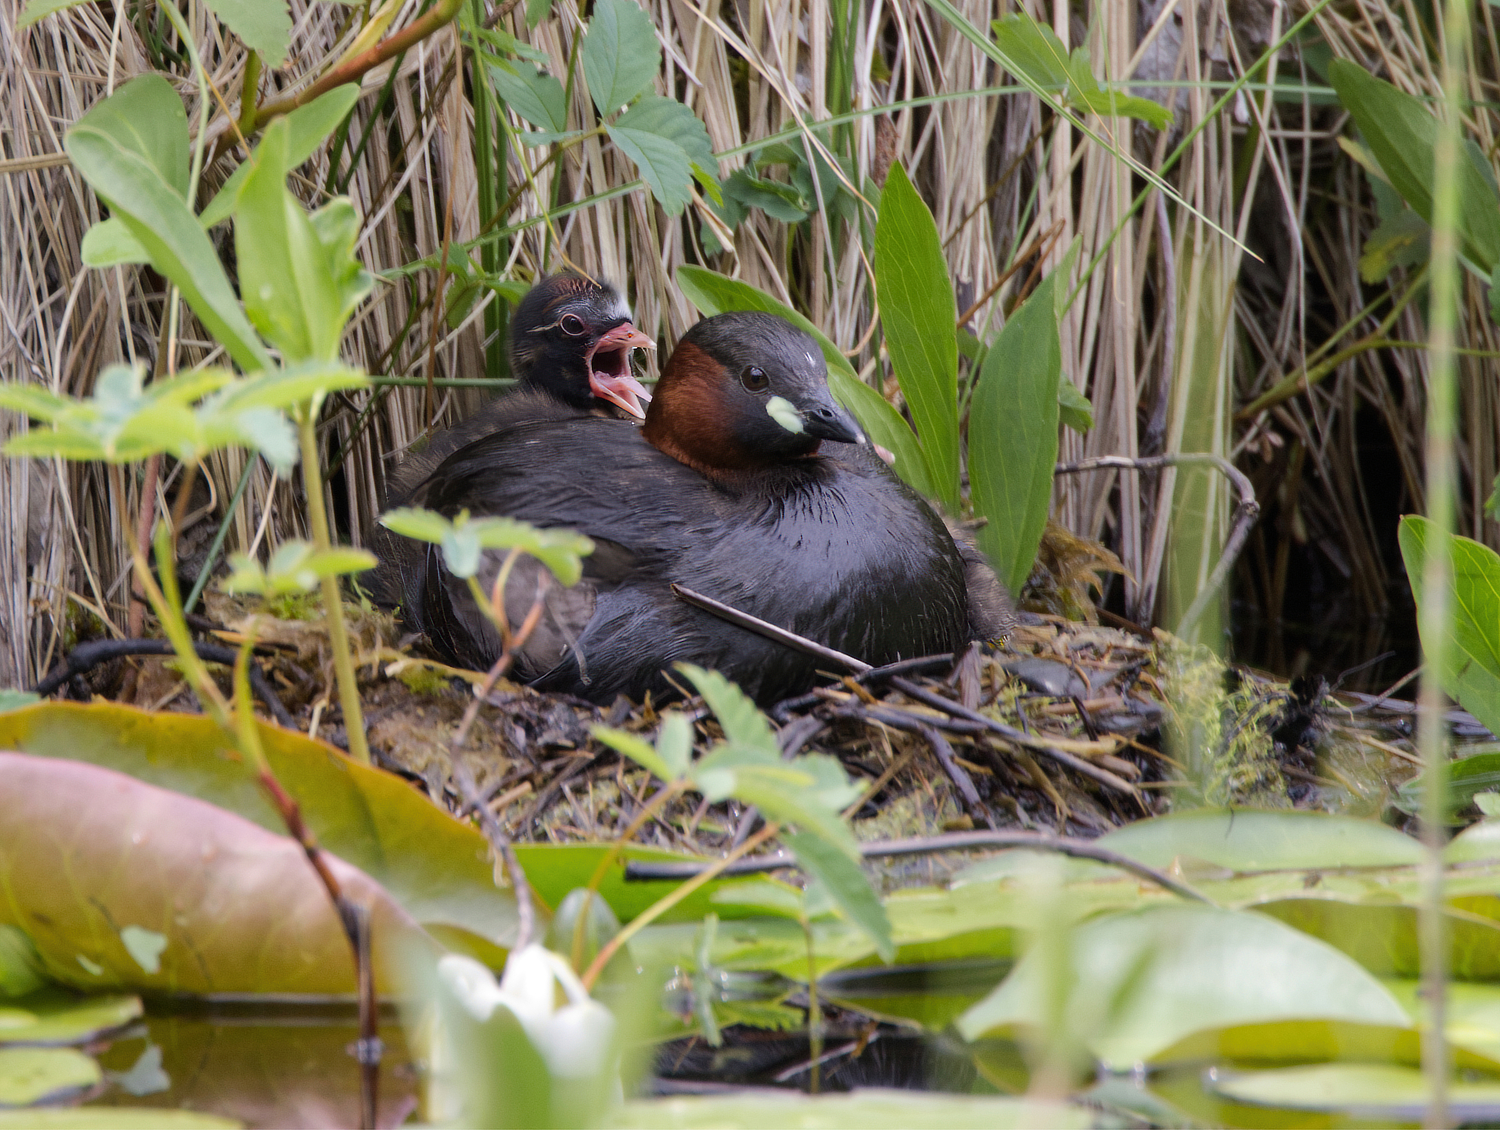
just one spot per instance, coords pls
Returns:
(573, 1039)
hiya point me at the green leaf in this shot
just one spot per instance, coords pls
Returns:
(20, 972)
(297, 566)
(1473, 672)
(671, 121)
(55, 1016)
(675, 743)
(848, 886)
(1013, 436)
(635, 748)
(1073, 408)
(1376, 1093)
(867, 1109)
(262, 25)
(537, 97)
(1404, 240)
(41, 9)
(766, 895)
(1033, 50)
(110, 244)
(620, 54)
(1143, 980)
(129, 150)
(919, 315)
(1085, 93)
(743, 725)
(663, 165)
(308, 126)
(779, 201)
(29, 1075)
(536, 12)
(1402, 134)
(714, 293)
(1246, 840)
(287, 387)
(436, 866)
(125, 1118)
(412, 522)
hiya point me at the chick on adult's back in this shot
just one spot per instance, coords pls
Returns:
(730, 490)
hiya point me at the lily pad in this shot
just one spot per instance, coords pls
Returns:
(1148, 978)
(872, 1109)
(1383, 936)
(86, 853)
(1251, 840)
(29, 1075)
(1394, 1094)
(113, 1118)
(54, 1016)
(436, 866)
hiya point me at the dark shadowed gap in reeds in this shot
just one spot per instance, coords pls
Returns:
(1174, 331)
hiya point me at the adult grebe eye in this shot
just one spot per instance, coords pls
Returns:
(754, 379)
(572, 325)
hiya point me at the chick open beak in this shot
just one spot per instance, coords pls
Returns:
(610, 377)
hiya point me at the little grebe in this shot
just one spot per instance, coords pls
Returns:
(729, 490)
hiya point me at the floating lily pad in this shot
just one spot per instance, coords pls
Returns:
(29, 1075)
(1251, 840)
(54, 1016)
(1395, 1094)
(872, 1109)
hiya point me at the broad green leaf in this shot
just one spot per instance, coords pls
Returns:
(766, 895)
(1402, 133)
(663, 165)
(537, 97)
(436, 866)
(145, 118)
(297, 566)
(1013, 436)
(919, 315)
(1404, 240)
(1244, 840)
(308, 126)
(337, 226)
(1085, 93)
(847, 885)
(413, 522)
(713, 293)
(1034, 50)
(262, 25)
(55, 1016)
(41, 9)
(1469, 779)
(1382, 936)
(34, 401)
(555, 869)
(109, 153)
(1073, 408)
(29, 1075)
(869, 1108)
(110, 244)
(1384, 1093)
(1473, 675)
(240, 909)
(779, 201)
(290, 292)
(288, 386)
(1145, 979)
(620, 54)
(675, 743)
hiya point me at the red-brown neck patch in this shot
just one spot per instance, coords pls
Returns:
(687, 418)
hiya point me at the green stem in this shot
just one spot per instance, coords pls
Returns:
(1435, 615)
(333, 605)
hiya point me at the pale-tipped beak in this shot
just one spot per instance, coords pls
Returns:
(610, 378)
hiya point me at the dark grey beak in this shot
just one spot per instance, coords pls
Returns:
(826, 420)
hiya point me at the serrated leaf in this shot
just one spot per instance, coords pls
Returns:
(537, 97)
(620, 54)
(919, 316)
(110, 244)
(1013, 436)
(262, 25)
(307, 127)
(662, 164)
(842, 879)
(743, 724)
